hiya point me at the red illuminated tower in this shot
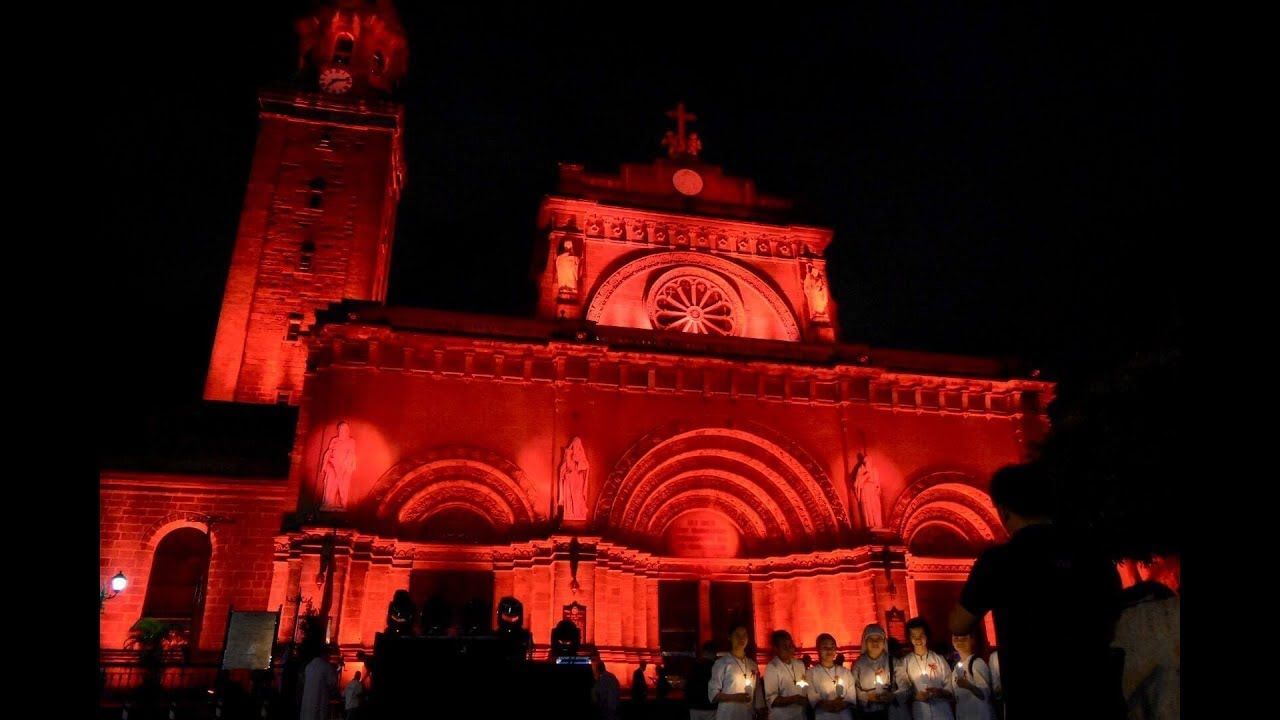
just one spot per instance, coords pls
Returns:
(319, 213)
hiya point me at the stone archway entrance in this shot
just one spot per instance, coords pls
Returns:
(177, 584)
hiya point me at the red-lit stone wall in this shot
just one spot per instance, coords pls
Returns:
(767, 447)
(138, 510)
(624, 251)
(515, 406)
(316, 227)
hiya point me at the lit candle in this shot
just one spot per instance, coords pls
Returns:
(839, 687)
(959, 669)
(879, 680)
(802, 684)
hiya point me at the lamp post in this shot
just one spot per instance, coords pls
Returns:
(117, 586)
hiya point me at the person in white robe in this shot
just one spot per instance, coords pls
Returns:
(606, 693)
(974, 685)
(875, 677)
(830, 684)
(735, 680)
(929, 674)
(997, 690)
(319, 685)
(785, 685)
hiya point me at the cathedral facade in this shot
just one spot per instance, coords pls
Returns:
(676, 441)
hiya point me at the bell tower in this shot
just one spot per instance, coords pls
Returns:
(319, 213)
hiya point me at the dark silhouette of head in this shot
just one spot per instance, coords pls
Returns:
(1022, 495)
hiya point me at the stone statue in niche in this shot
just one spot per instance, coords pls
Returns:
(671, 143)
(567, 268)
(695, 144)
(815, 290)
(336, 466)
(866, 488)
(573, 481)
(575, 557)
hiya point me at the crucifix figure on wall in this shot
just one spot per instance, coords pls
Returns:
(575, 557)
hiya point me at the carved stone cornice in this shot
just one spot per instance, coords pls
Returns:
(609, 556)
(952, 567)
(626, 370)
(611, 223)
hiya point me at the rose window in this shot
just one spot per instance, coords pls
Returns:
(694, 303)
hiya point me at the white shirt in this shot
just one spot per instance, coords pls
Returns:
(732, 675)
(993, 662)
(865, 673)
(319, 681)
(780, 680)
(930, 671)
(830, 683)
(968, 705)
(1150, 636)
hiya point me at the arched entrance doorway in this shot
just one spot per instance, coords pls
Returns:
(179, 575)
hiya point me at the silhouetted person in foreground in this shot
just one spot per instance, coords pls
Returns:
(606, 691)
(664, 685)
(352, 694)
(695, 695)
(1045, 589)
(639, 686)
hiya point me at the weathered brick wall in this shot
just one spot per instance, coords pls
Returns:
(139, 509)
(316, 228)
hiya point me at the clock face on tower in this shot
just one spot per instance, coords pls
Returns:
(335, 80)
(687, 182)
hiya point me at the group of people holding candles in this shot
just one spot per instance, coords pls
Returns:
(921, 685)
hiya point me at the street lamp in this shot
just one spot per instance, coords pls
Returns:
(118, 584)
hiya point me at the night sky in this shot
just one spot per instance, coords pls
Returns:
(1000, 183)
